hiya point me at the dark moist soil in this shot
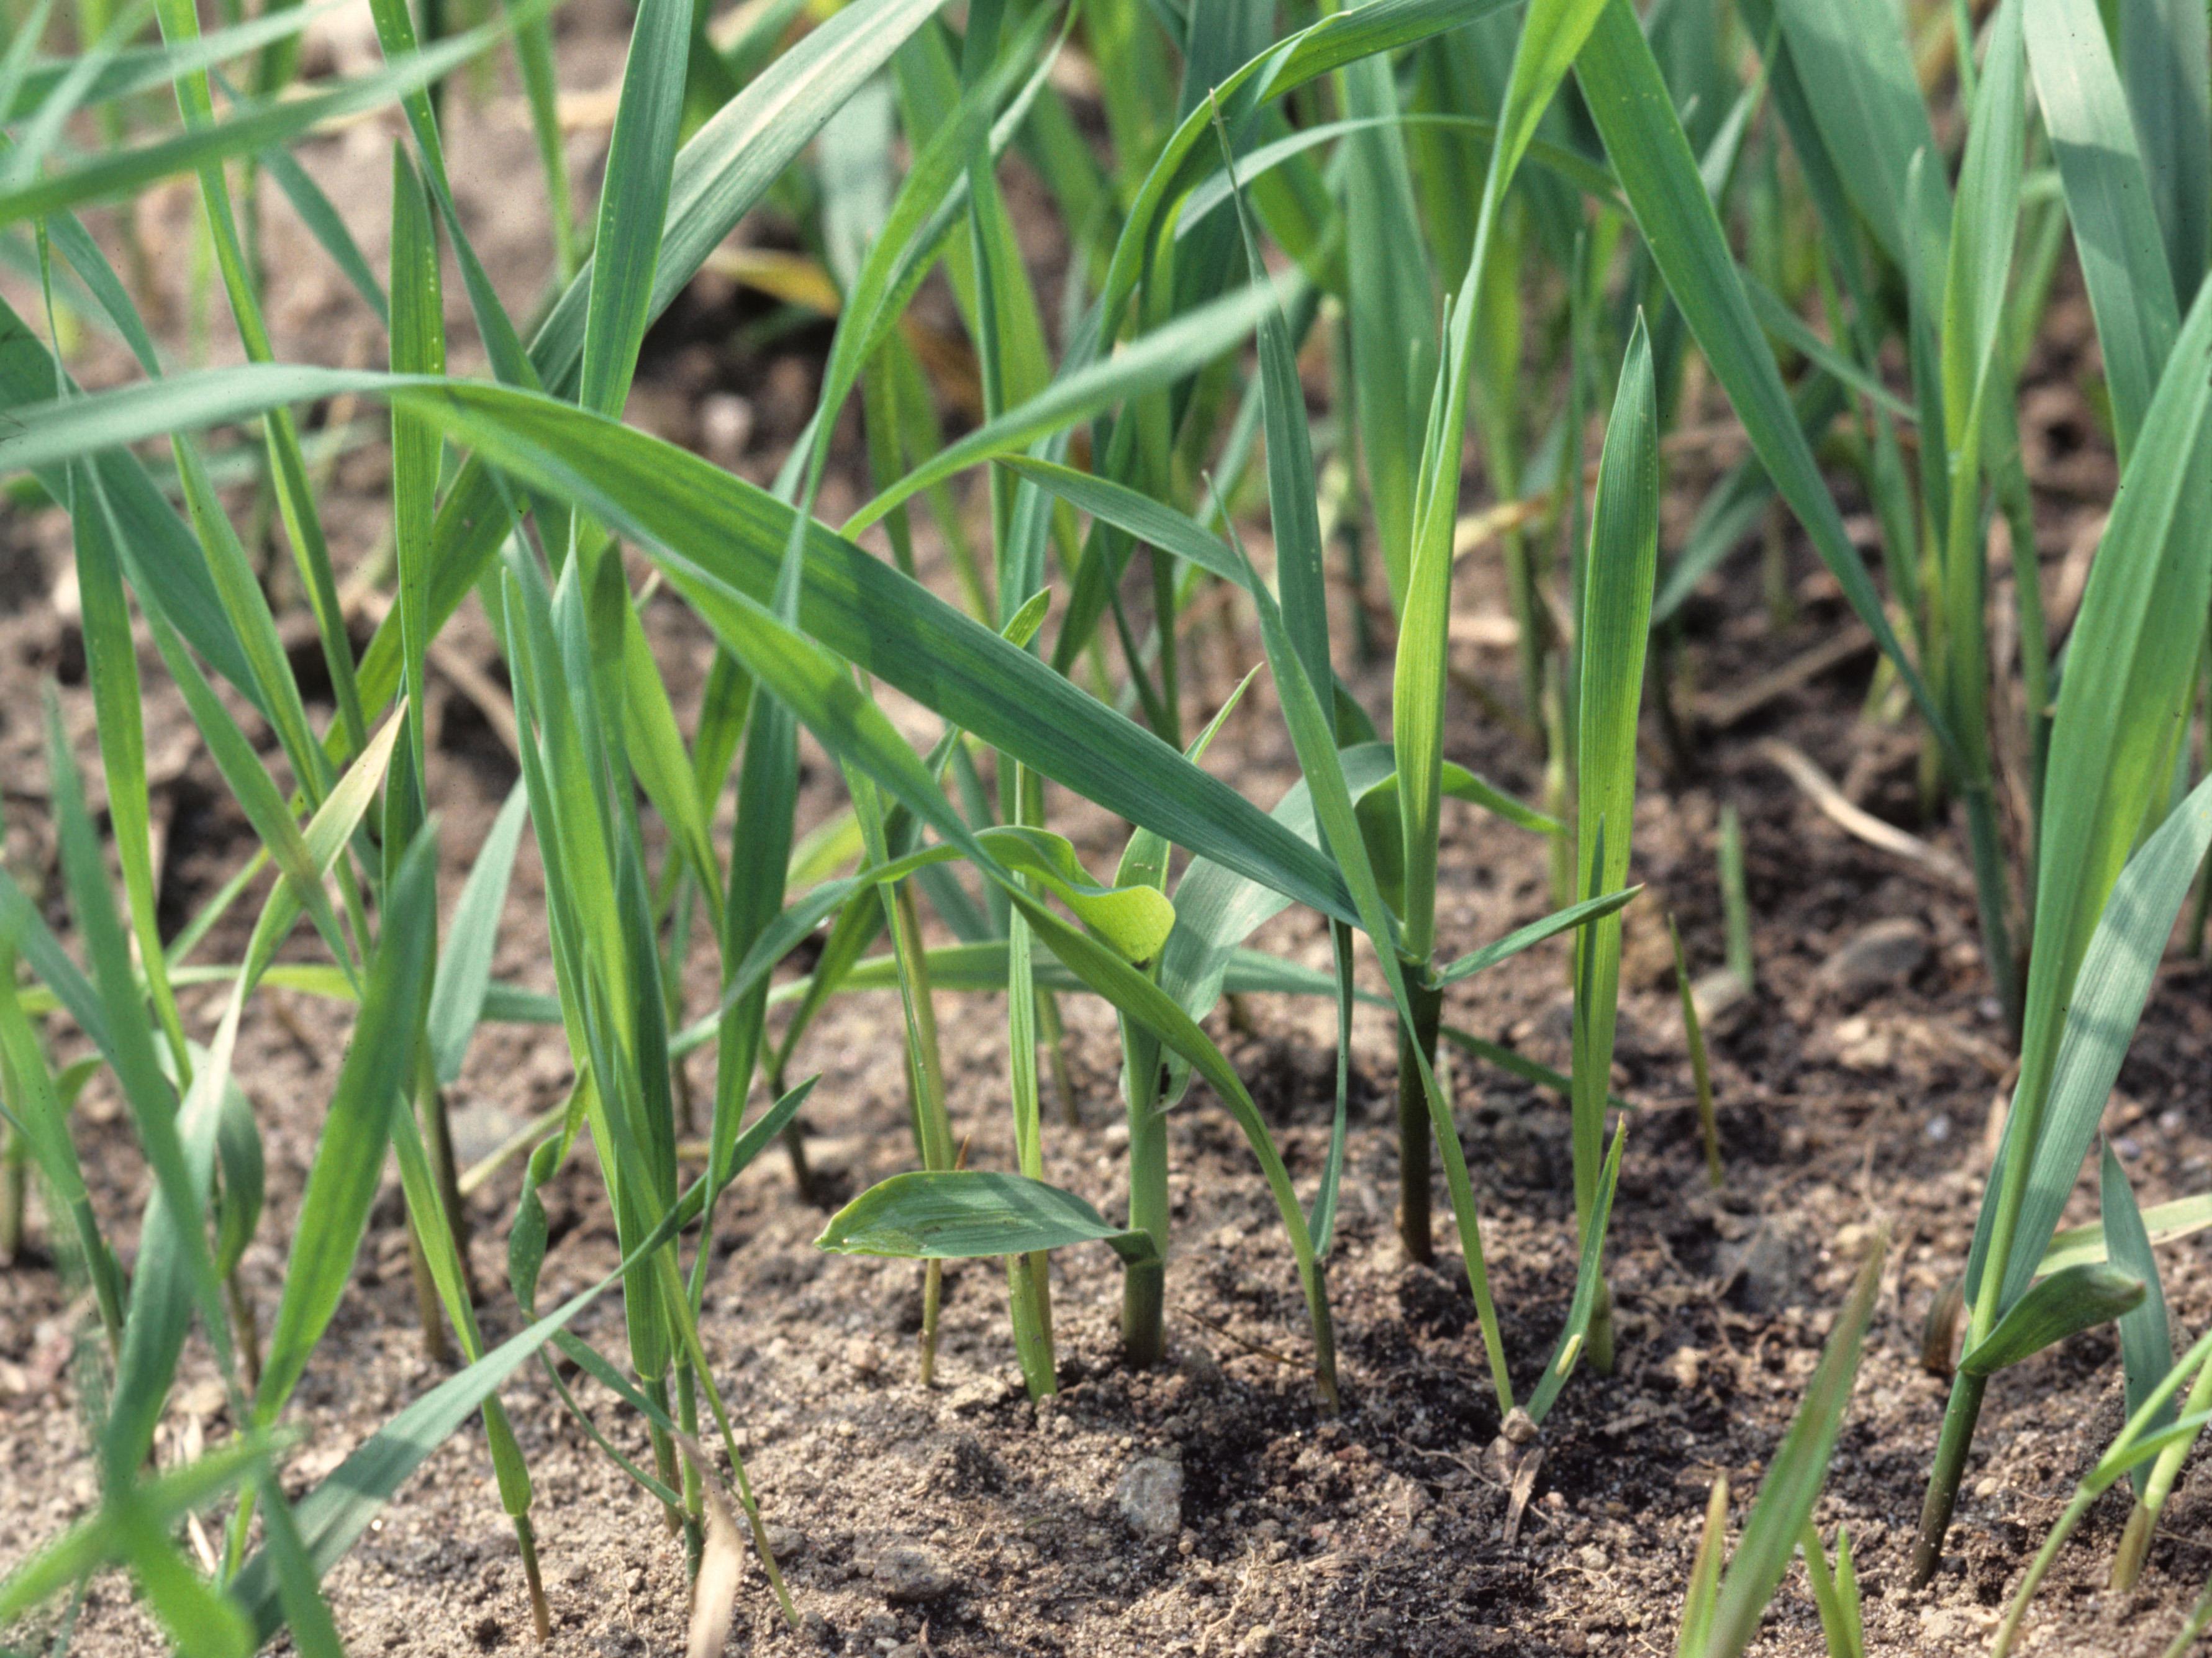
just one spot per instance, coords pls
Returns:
(1384, 1530)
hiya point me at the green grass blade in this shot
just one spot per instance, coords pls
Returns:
(2107, 1000)
(633, 201)
(1579, 914)
(1795, 1477)
(2134, 648)
(2166, 61)
(348, 1162)
(341, 1506)
(2068, 1302)
(122, 174)
(418, 346)
(969, 1213)
(1156, 360)
(1552, 34)
(464, 975)
(1856, 66)
(136, 68)
(2108, 199)
(1704, 1575)
(1294, 515)
(1590, 1283)
(2146, 1342)
(111, 665)
(36, 1112)
(1627, 100)
(852, 601)
(1616, 624)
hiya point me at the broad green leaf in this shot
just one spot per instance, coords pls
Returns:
(2109, 200)
(967, 1213)
(2166, 57)
(2165, 1223)
(1134, 918)
(2066, 1303)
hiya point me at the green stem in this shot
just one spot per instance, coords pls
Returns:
(448, 1175)
(1426, 1000)
(794, 1147)
(2200, 1619)
(933, 1296)
(2135, 1545)
(664, 1448)
(2039, 1567)
(1144, 1289)
(1324, 1334)
(1164, 609)
(541, 1615)
(435, 1347)
(1597, 1337)
(1054, 1034)
(15, 1192)
(1990, 898)
(1958, 1419)
(687, 1405)
(245, 1332)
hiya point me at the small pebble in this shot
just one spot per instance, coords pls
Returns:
(1150, 1497)
(1885, 953)
(909, 1574)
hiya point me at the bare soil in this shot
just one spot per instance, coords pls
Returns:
(1381, 1531)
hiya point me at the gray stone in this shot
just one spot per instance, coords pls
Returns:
(1884, 954)
(908, 1573)
(1150, 1497)
(1761, 1273)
